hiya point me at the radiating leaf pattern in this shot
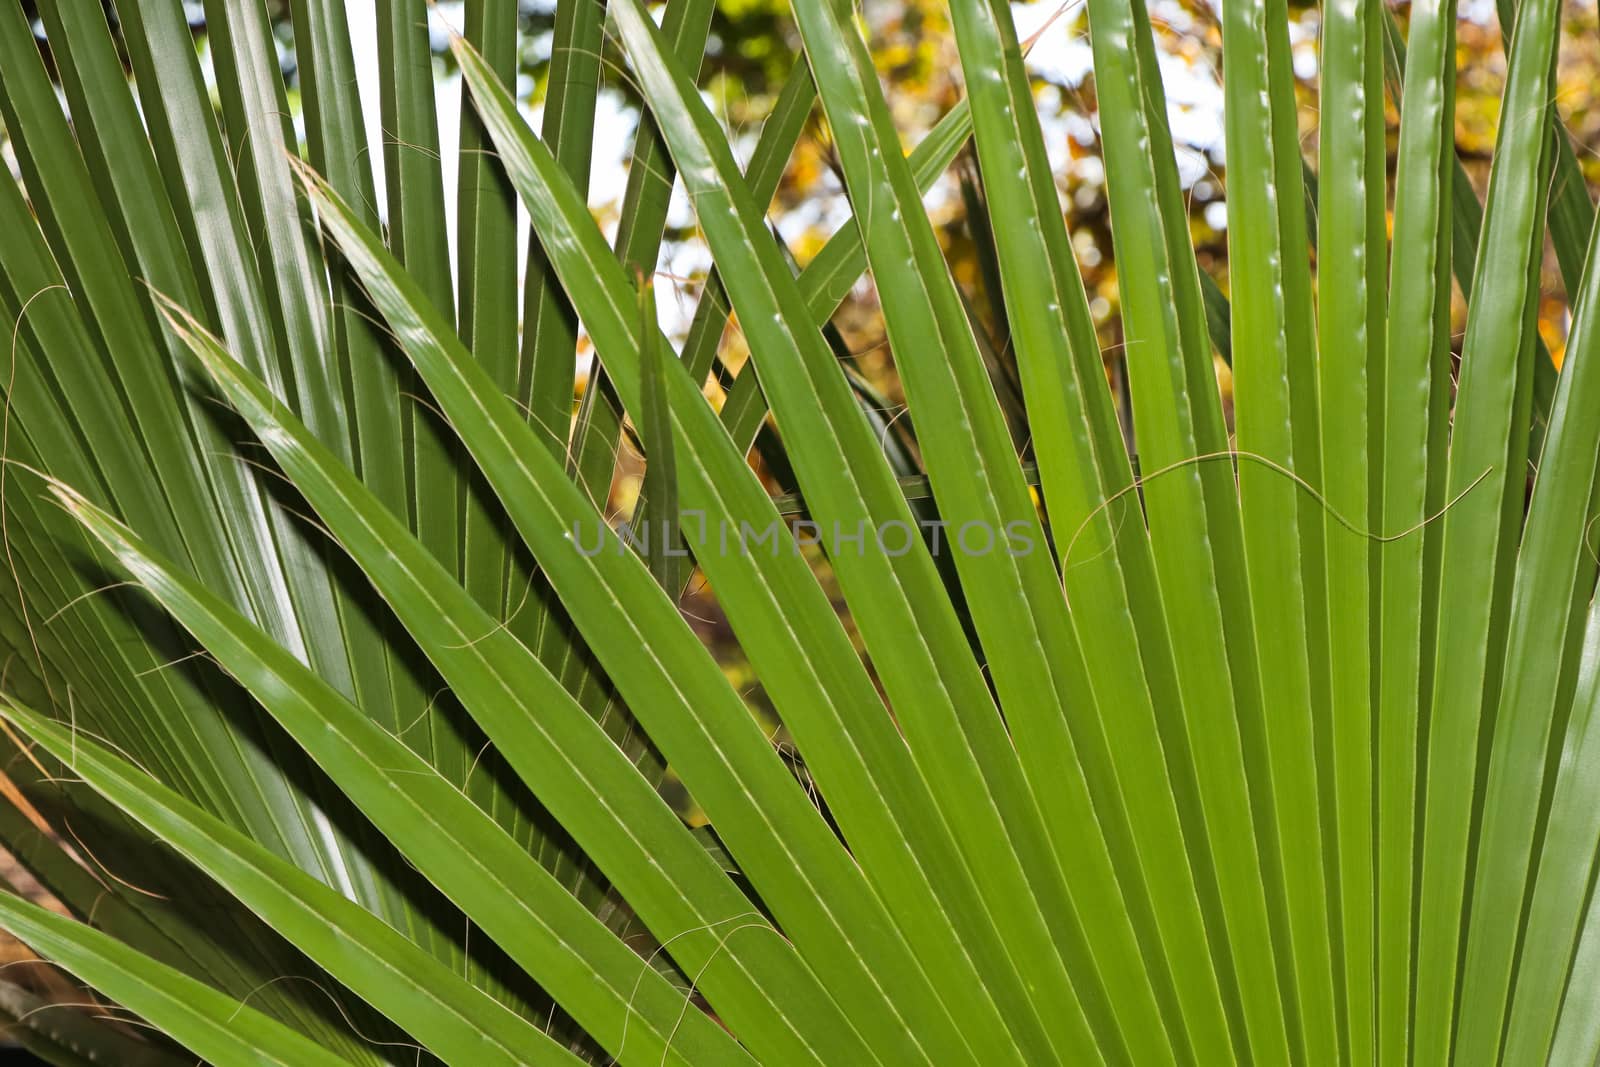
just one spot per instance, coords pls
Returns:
(348, 718)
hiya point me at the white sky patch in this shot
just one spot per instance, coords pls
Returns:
(362, 18)
(443, 18)
(1194, 102)
(614, 126)
(1062, 55)
(447, 102)
(1303, 42)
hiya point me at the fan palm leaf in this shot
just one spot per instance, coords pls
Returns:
(1273, 744)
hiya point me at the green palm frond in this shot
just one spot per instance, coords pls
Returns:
(353, 726)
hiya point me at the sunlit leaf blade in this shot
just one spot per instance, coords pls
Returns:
(745, 408)
(336, 143)
(1488, 446)
(1108, 568)
(1188, 488)
(530, 162)
(769, 314)
(487, 314)
(418, 236)
(1416, 387)
(412, 170)
(548, 359)
(228, 530)
(453, 1020)
(597, 433)
(377, 409)
(255, 114)
(1275, 429)
(67, 1036)
(1351, 245)
(663, 543)
(486, 211)
(549, 327)
(1273, 747)
(167, 926)
(556, 748)
(1569, 225)
(1223, 756)
(1577, 1035)
(828, 278)
(1557, 947)
(602, 983)
(542, 194)
(1571, 207)
(1555, 577)
(213, 1025)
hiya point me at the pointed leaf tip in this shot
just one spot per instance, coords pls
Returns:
(76, 503)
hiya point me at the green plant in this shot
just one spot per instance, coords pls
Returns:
(1279, 753)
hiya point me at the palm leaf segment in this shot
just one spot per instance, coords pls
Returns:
(1279, 752)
